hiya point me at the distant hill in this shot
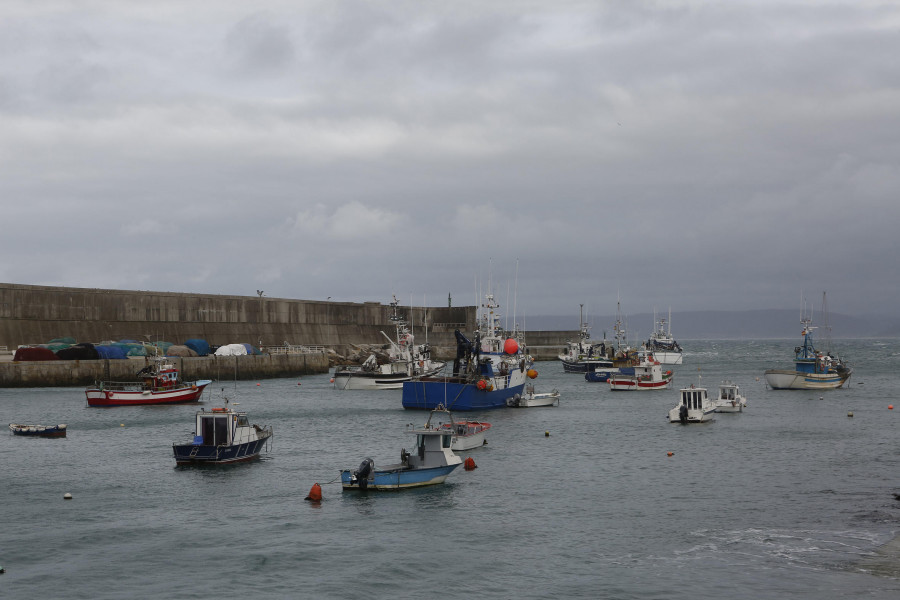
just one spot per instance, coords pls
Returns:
(701, 325)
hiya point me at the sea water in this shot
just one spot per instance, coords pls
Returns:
(792, 498)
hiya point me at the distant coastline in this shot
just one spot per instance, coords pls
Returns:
(714, 325)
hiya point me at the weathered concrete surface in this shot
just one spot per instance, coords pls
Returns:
(31, 314)
(61, 373)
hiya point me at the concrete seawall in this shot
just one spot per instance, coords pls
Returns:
(61, 373)
(37, 314)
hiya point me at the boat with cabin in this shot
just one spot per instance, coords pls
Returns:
(694, 406)
(432, 459)
(730, 399)
(645, 373)
(486, 372)
(160, 384)
(583, 354)
(531, 399)
(406, 361)
(813, 369)
(661, 343)
(223, 436)
(467, 434)
(38, 430)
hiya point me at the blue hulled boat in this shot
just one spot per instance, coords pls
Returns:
(222, 436)
(430, 462)
(814, 370)
(486, 372)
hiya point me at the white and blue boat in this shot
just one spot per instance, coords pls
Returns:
(486, 372)
(814, 370)
(585, 355)
(432, 459)
(223, 436)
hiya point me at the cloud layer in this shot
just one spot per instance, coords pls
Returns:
(692, 154)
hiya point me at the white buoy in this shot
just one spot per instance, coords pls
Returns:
(67, 496)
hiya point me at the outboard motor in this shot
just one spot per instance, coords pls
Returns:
(683, 414)
(363, 472)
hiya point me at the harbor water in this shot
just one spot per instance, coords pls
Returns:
(599, 497)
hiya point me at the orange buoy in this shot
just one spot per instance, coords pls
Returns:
(532, 373)
(482, 384)
(298, 383)
(669, 453)
(890, 407)
(331, 380)
(315, 493)
(510, 346)
(258, 384)
(470, 464)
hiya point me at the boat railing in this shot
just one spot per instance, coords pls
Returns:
(120, 386)
(292, 349)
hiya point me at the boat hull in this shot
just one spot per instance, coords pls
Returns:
(583, 366)
(398, 478)
(668, 358)
(374, 381)
(105, 397)
(779, 379)
(54, 431)
(693, 416)
(626, 383)
(190, 454)
(535, 400)
(428, 394)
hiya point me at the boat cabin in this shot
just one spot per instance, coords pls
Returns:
(221, 427)
(166, 377)
(729, 392)
(693, 398)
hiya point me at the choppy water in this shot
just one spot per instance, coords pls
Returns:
(791, 499)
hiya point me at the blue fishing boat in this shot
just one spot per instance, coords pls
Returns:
(486, 372)
(814, 370)
(222, 436)
(430, 462)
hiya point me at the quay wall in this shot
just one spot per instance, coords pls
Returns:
(61, 373)
(32, 314)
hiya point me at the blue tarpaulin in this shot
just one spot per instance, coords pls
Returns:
(201, 347)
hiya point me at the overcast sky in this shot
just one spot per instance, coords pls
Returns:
(688, 154)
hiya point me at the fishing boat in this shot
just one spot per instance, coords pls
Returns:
(730, 399)
(813, 369)
(486, 372)
(647, 375)
(430, 462)
(661, 343)
(406, 361)
(694, 406)
(584, 355)
(467, 434)
(222, 436)
(531, 399)
(38, 430)
(160, 384)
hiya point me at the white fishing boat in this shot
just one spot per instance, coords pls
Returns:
(730, 399)
(467, 434)
(531, 399)
(661, 343)
(694, 406)
(406, 362)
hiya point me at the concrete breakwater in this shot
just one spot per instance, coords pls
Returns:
(60, 373)
(32, 314)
